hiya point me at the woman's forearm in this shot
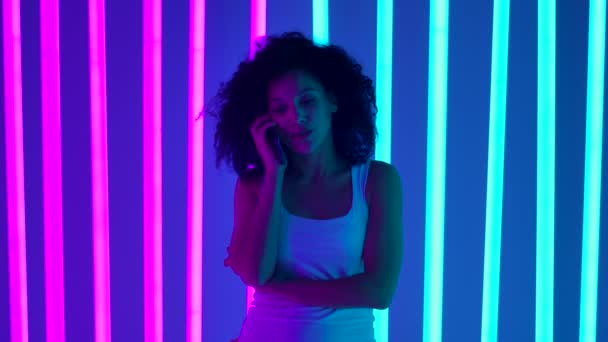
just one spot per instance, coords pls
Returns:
(256, 248)
(350, 292)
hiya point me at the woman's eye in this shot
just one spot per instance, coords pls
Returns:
(278, 110)
(308, 100)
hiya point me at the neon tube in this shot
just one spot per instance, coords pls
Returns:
(320, 21)
(15, 193)
(51, 166)
(435, 176)
(194, 262)
(152, 171)
(258, 24)
(545, 184)
(258, 29)
(384, 73)
(99, 170)
(496, 156)
(593, 170)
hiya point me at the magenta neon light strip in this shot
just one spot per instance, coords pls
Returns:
(99, 156)
(14, 170)
(152, 171)
(258, 29)
(51, 170)
(194, 258)
(258, 23)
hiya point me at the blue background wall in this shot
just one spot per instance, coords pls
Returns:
(352, 25)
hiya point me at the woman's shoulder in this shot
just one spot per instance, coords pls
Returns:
(380, 170)
(381, 177)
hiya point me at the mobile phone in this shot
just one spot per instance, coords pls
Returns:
(251, 165)
(275, 143)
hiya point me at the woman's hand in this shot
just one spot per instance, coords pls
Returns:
(258, 130)
(277, 278)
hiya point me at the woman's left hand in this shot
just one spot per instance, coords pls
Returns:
(272, 284)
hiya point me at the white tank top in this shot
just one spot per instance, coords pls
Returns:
(316, 249)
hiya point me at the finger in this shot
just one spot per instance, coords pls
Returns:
(260, 120)
(263, 127)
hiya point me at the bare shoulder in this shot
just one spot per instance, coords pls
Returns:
(382, 179)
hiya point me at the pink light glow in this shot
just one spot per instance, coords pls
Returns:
(14, 170)
(258, 29)
(258, 23)
(194, 257)
(152, 171)
(99, 170)
(51, 167)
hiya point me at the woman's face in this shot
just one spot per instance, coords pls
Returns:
(302, 109)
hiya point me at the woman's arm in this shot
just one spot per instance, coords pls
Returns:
(254, 241)
(382, 254)
(350, 292)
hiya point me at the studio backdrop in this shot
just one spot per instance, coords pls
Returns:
(114, 220)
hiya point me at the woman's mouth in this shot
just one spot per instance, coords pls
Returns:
(302, 134)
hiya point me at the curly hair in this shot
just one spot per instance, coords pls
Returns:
(244, 97)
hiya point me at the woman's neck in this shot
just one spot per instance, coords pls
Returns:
(316, 167)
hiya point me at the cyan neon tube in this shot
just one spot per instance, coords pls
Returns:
(496, 150)
(435, 176)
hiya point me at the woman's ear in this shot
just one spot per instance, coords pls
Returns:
(334, 103)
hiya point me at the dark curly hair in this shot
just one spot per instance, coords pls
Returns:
(243, 98)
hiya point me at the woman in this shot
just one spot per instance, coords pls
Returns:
(317, 223)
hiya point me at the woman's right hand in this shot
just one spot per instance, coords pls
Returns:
(259, 129)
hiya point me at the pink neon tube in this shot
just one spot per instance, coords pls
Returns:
(194, 258)
(51, 170)
(152, 171)
(258, 24)
(99, 156)
(258, 29)
(14, 173)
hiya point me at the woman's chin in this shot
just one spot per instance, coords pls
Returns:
(301, 149)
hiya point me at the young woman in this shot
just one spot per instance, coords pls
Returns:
(317, 224)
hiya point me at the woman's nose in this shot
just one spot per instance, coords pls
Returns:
(299, 116)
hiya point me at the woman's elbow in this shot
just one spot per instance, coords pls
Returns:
(384, 299)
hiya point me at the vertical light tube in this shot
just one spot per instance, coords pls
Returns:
(99, 170)
(15, 191)
(435, 175)
(51, 170)
(194, 262)
(593, 170)
(496, 157)
(258, 29)
(152, 171)
(320, 21)
(258, 24)
(384, 95)
(545, 183)
(384, 73)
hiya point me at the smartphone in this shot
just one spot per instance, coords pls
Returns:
(273, 138)
(253, 163)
